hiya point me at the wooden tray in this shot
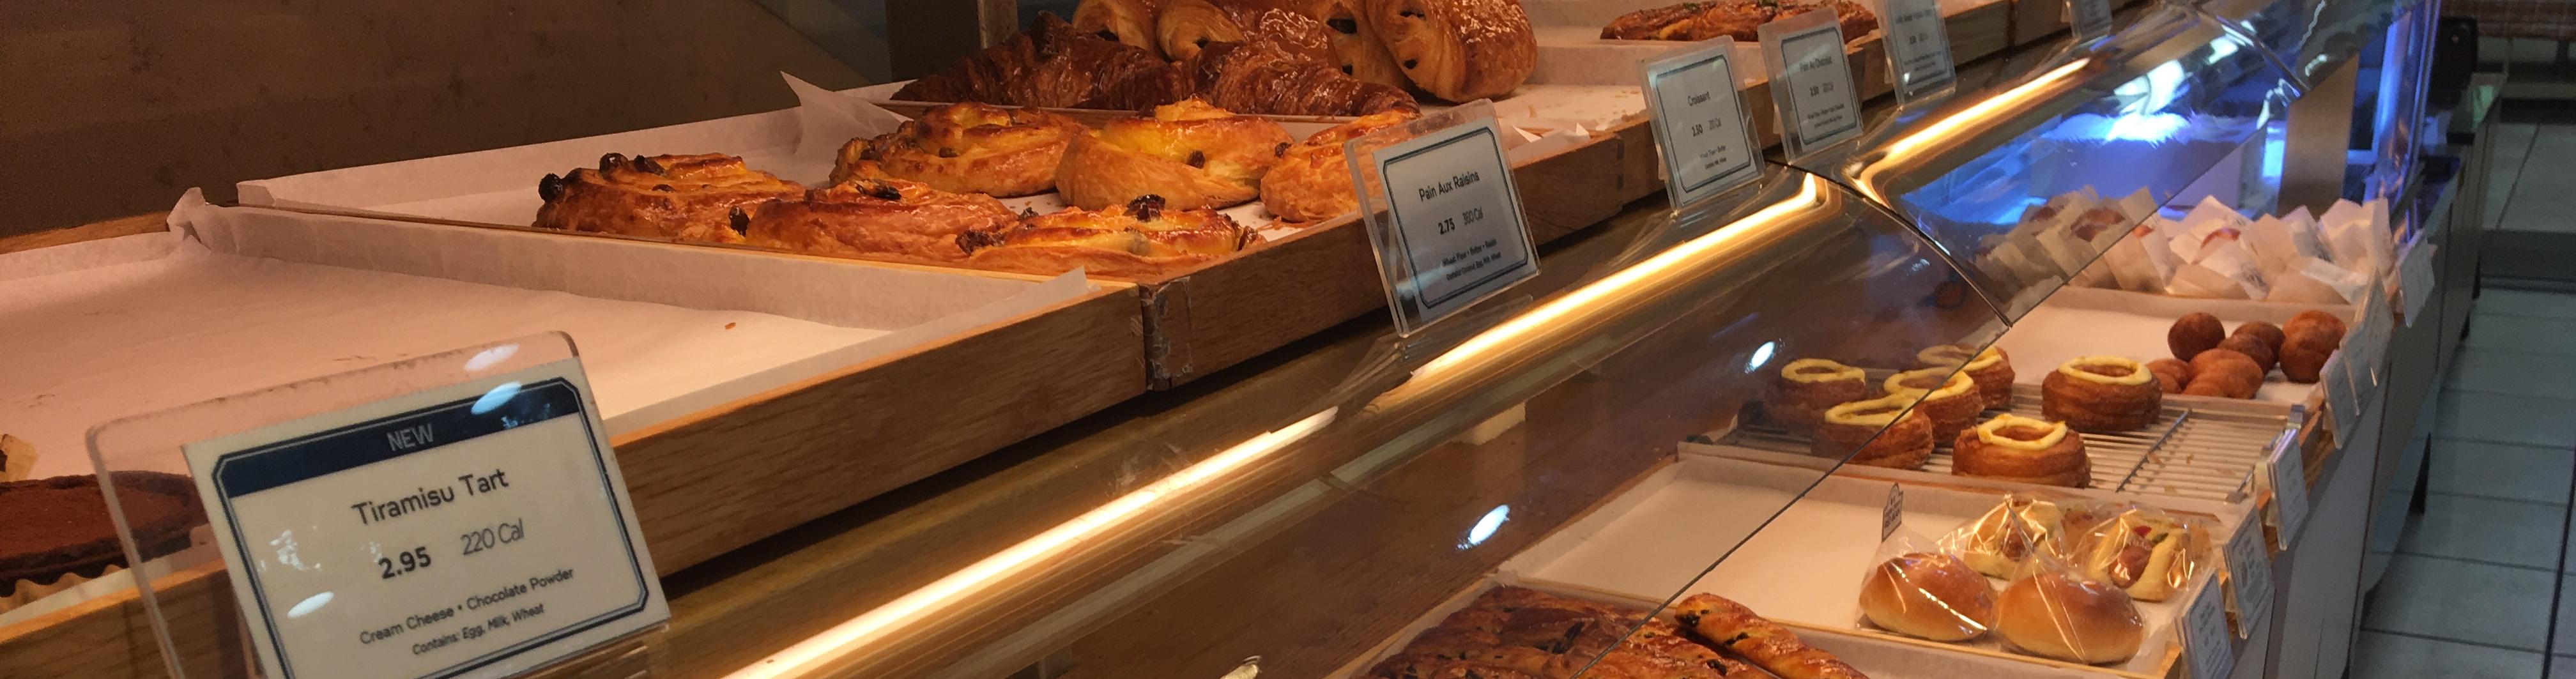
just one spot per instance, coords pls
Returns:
(712, 481)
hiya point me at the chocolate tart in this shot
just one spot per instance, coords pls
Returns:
(60, 526)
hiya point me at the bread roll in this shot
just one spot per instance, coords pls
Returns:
(2252, 346)
(1933, 596)
(2054, 614)
(2194, 333)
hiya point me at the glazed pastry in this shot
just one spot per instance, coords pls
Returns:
(2194, 333)
(1694, 21)
(1856, 21)
(1312, 182)
(1928, 595)
(1193, 155)
(1055, 66)
(1765, 643)
(1951, 400)
(2016, 448)
(873, 216)
(2147, 554)
(1188, 26)
(1356, 48)
(2010, 534)
(1809, 386)
(2224, 372)
(1142, 239)
(1991, 368)
(689, 198)
(1459, 50)
(969, 148)
(2252, 347)
(1244, 77)
(1879, 433)
(1511, 632)
(1127, 22)
(2101, 394)
(2058, 615)
(2171, 375)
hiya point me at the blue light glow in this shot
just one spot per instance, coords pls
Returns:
(309, 605)
(1485, 527)
(493, 399)
(1761, 356)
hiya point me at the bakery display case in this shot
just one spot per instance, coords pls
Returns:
(1758, 439)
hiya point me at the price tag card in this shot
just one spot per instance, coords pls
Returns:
(1699, 123)
(2337, 383)
(2289, 479)
(2415, 280)
(1452, 233)
(2206, 638)
(2088, 18)
(1918, 48)
(476, 530)
(1892, 515)
(2249, 575)
(1811, 83)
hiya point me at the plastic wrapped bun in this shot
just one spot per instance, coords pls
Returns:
(2145, 552)
(1930, 595)
(1998, 543)
(2058, 614)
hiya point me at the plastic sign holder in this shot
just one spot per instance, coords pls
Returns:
(1700, 124)
(2089, 19)
(2249, 575)
(2211, 650)
(1443, 214)
(1918, 51)
(1811, 84)
(452, 515)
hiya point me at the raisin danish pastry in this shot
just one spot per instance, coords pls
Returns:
(1129, 22)
(1192, 155)
(1055, 66)
(1312, 182)
(874, 216)
(1459, 50)
(1250, 78)
(969, 148)
(1188, 26)
(689, 197)
(1141, 239)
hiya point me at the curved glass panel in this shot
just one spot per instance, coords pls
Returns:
(2024, 184)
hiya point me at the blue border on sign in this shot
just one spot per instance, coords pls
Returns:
(303, 444)
(1414, 268)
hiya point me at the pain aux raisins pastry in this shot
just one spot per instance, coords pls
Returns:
(969, 148)
(1810, 386)
(689, 198)
(1882, 432)
(1990, 367)
(1312, 181)
(59, 527)
(1193, 155)
(2015, 448)
(1950, 398)
(1519, 633)
(1141, 239)
(871, 216)
(2102, 394)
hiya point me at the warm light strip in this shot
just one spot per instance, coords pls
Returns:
(1808, 194)
(949, 590)
(1974, 114)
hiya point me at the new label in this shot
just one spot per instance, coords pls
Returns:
(475, 530)
(1452, 234)
(1699, 123)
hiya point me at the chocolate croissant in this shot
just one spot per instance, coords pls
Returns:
(691, 197)
(1129, 22)
(1459, 50)
(1053, 65)
(1356, 48)
(1188, 26)
(1250, 78)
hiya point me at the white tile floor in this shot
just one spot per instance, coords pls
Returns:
(2470, 591)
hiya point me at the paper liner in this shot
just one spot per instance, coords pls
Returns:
(201, 540)
(30, 591)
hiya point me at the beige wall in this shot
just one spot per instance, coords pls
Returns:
(112, 108)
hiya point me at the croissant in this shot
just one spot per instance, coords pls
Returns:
(874, 216)
(1053, 65)
(1188, 26)
(690, 197)
(1129, 22)
(1190, 154)
(1250, 79)
(1764, 642)
(1356, 48)
(1312, 181)
(969, 148)
(1142, 239)
(1459, 50)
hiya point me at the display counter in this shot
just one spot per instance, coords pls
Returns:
(1912, 368)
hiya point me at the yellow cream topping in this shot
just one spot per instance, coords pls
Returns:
(1812, 370)
(1951, 354)
(1991, 432)
(2137, 373)
(1861, 412)
(1959, 383)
